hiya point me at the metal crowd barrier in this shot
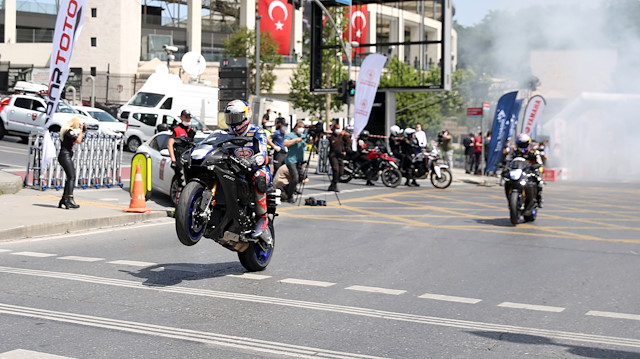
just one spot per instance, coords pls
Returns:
(97, 161)
(323, 156)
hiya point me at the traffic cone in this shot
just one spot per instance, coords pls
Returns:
(138, 203)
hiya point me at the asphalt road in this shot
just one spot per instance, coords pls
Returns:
(398, 273)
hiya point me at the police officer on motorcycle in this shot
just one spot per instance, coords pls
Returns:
(533, 156)
(254, 155)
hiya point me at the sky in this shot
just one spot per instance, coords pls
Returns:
(471, 12)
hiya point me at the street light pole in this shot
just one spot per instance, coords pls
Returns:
(258, 55)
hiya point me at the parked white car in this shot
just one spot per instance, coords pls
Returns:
(161, 172)
(21, 114)
(108, 123)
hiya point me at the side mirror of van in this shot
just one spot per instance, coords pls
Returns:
(165, 153)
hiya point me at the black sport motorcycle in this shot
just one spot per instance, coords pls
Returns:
(521, 181)
(218, 201)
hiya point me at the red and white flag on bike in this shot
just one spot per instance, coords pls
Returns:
(366, 88)
(68, 25)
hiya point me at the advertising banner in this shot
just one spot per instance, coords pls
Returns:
(532, 114)
(366, 88)
(68, 25)
(276, 20)
(500, 129)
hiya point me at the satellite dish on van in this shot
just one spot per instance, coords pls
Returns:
(193, 63)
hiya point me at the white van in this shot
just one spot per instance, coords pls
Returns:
(160, 101)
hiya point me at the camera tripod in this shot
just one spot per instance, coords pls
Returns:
(305, 171)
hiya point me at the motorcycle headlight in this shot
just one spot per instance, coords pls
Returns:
(515, 174)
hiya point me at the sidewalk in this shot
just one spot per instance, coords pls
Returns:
(31, 212)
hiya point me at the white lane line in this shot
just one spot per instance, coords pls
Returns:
(29, 354)
(182, 268)
(249, 276)
(34, 254)
(615, 315)
(81, 259)
(542, 308)
(314, 283)
(5, 250)
(276, 349)
(334, 308)
(449, 298)
(362, 288)
(133, 263)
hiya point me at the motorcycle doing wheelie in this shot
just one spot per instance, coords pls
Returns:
(521, 182)
(425, 164)
(218, 201)
(382, 165)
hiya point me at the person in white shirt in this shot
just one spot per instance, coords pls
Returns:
(421, 137)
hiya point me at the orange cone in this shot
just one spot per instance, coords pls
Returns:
(138, 203)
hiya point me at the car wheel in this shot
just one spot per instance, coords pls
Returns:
(2, 130)
(54, 128)
(133, 144)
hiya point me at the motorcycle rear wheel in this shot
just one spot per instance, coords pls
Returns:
(255, 258)
(189, 225)
(514, 207)
(391, 177)
(443, 181)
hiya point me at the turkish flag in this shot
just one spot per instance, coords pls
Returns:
(276, 19)
(358, 26)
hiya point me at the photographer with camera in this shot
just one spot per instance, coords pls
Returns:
(339, 141)
(295, 141)
(446, 147)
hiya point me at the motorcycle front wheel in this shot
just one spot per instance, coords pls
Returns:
(255, 258)
(514, 207)
(391, 177)
(189, 224)
(443, 181)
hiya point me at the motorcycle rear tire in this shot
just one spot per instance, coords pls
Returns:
(254, 258)
(391, 177)
(532, 217)
(189, 233)
(514, 207)
(346, 177)
(443, 181)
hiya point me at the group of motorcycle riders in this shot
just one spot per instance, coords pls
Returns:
(255, 155)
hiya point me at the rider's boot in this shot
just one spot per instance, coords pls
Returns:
(414, 183)
(369, 183)
(261, 225)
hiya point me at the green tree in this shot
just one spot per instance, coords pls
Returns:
(242, 43)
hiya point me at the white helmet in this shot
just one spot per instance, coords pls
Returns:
(394, 130)
(409, 131)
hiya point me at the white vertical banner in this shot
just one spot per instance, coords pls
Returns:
(532, 113)
(366, 88)
(68, 25)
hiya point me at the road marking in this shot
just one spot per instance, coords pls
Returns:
(362, 288)
(81, 259)
(615, 315)
(182, 268)
(29, 354)
(307, 282)
(147, 223)
(230, 341)
(249, 276)
(133, 263)
(449, 298)
(34, 254)
(5, 250)
(333, 308)
(542, 308)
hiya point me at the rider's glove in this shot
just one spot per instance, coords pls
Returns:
(253, 162)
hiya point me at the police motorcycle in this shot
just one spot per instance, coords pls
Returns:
(218, 201)
(427, 164)
(522, 187)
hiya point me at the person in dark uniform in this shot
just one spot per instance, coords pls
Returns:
(70, 134)
(181, 135)
(339, 141)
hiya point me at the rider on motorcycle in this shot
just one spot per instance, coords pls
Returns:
(408, 148)
(525, 150)
(364, 148)
(181, 135)
(237, 116)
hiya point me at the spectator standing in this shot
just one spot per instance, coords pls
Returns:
(279, 149)
(295, 142)
(446, 146)
(421, 137)
(469, 158)
(266, 117)
(487, 142)
(339, 141)
(477, 154)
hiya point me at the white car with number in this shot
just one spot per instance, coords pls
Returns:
(108, 123)
(161, 172)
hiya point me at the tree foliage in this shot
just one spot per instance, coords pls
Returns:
(242, 43)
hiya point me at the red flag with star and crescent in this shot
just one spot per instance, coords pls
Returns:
(358, 25)
(276, 19)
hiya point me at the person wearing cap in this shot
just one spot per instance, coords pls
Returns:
(183, 134)
(279, 149)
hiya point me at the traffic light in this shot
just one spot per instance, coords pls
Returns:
(351, 88)
(343, 91)
(296, 3)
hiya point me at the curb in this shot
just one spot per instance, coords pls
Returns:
(9, 183)
(56, 228)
